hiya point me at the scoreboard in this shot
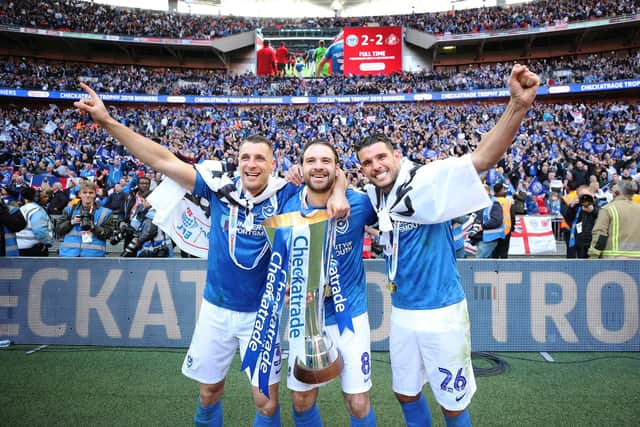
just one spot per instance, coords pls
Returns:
(372, 50)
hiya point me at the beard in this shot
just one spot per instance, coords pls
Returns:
(320, 187)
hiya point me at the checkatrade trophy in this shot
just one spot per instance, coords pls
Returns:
(314, 356)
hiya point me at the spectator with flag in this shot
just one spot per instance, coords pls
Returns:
(114, 167)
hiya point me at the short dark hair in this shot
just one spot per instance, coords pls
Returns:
(320, 142)
(257, 139)
(28, 193)
(374, 139)
(498, 187)
(265, 43)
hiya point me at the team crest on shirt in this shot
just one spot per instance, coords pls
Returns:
(342, 225)
(268, 210)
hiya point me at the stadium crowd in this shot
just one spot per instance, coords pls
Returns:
(574, 143)
(88, 17)
(29, 73)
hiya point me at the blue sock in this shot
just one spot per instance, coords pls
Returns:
(417, 414)
(210, 416)
(462, 420)
(368, 421)
(308, 418)
(264, 421)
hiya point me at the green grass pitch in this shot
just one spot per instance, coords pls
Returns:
(102, 386)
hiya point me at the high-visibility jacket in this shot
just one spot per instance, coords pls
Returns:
(618, 224)
(39, 229)
(489, 235)
(10, 243)
(10, 240)
(567, 199)
(506, 203)
(73, 246)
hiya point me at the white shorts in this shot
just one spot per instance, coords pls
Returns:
(218, 334)
(355, 349)
(433, 346)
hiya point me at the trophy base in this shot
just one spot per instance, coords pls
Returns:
(318, 375)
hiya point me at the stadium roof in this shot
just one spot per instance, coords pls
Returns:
(308, 8)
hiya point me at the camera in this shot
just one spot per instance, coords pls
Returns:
(132, 248)
(124, 231)
(586, 199)
(86, 221)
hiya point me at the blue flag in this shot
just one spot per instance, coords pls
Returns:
(37, 181)
(491, 177)
(535, 187)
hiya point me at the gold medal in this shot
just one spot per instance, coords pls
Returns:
(392, 287)
(327, 291)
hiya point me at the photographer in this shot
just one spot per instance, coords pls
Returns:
(133, 203)
(581, 215)
(148, 241)
(11, 221)
(36, 238)
(85, 225)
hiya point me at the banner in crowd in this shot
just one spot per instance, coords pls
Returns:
(514, 305)
(532, 235)
(287, 100)
(45, 180)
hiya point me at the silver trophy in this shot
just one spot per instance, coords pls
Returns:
(321, 361)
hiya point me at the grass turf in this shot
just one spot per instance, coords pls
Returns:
(101, 386)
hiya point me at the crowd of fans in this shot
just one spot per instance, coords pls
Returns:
(601, 138)
(29, 73)
(86, 17)
(560, 147)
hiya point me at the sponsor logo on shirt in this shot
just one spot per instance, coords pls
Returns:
(408, 226)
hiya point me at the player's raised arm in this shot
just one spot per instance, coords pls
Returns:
(142, 148)
(523, 85)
